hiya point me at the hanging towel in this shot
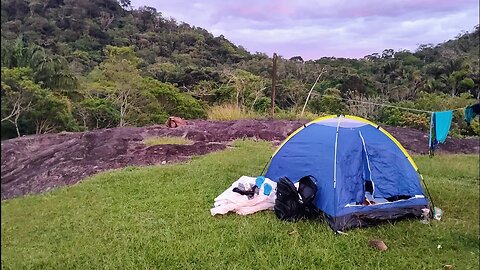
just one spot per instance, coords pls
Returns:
(442, 125)
(471, 112)
(431, 138)
(439, 126)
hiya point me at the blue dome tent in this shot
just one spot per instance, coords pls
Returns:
(352, 159)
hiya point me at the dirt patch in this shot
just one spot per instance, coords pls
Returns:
(34, 164)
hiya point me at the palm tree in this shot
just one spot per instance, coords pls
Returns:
(50, 71)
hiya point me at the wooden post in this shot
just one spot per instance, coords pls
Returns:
(274, 81)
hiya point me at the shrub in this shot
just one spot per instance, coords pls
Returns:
(330, 102)
(431, 102)
(417, 121)
(173, 102)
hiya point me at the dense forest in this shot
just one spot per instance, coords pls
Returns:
(72, 65)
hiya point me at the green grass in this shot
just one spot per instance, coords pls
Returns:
(150, 141)
(158, 218)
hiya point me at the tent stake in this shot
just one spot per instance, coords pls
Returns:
(264, 167)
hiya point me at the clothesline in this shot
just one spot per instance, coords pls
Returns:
(387, 105)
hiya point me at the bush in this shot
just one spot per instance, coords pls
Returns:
(173, 102)
(431, 102)
(417, 121)
(330, 102)
(95, 113)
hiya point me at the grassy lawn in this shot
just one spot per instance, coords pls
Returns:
(158, 218)
(166, 140)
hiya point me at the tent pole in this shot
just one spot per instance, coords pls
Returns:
(264, 167)
(335, 175)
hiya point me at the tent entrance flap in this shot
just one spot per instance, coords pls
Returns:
(367, 173)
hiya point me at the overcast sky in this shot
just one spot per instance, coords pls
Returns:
(314, 28)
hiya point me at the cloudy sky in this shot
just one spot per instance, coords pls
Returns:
(314, 28)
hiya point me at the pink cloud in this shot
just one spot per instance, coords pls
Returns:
(304, 9)
(316, 28)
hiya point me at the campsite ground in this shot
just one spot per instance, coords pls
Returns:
(158, 217)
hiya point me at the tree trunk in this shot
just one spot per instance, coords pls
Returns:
(123, 109)
(122, 122)
(237, 97)
(15, 123)
(16, 127)
(454, 89)
(310, 92)
(274, 82)
(257, 95)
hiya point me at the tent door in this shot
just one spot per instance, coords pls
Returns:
(367, 172)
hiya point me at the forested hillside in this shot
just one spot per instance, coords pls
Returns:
(85, 64)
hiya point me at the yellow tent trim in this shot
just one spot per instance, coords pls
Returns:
(322, 118)
(410, 159)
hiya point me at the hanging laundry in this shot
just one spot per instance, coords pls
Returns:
(439, 126)
(471, 112)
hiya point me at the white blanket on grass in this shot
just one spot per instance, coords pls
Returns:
(230, 201)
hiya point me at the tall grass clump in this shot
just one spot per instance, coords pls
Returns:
(156, 140)
(226, 112)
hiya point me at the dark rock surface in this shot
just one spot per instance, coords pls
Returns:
(34, 164)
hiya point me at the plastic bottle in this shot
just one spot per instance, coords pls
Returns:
(425, 216)
(437, 213)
